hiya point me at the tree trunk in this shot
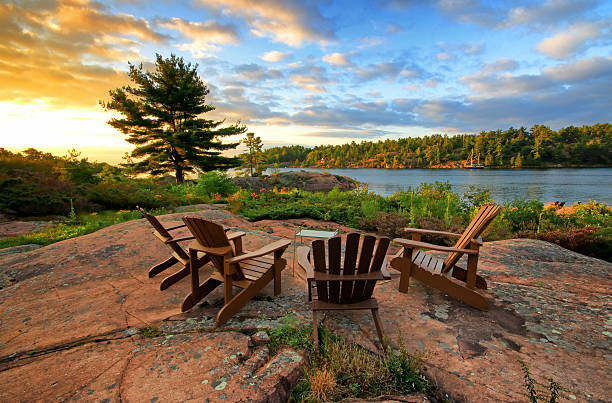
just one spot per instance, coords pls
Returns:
(179, 175)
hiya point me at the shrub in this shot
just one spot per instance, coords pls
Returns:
(590, 241)
(522, 215)
(215, 182)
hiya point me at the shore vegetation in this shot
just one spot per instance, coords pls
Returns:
(84, 196)
(537, 147)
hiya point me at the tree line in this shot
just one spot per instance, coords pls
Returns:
(536, 147)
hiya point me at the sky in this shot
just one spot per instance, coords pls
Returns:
(308, 72)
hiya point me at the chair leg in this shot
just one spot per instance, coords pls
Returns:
(315, 331)
(174, 278)
(239, 300)
(203, 290)
(161, 266)
(379, 328)
(404, 266)
(277, 275)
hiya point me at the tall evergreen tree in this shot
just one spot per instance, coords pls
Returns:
(162, 118)
(254, 160)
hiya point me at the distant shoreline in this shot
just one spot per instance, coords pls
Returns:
(447, 167)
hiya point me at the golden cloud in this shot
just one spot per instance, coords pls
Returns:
(203, 36)
(289, 22)
(63, 52)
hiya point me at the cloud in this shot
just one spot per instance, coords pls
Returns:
(388, 71)
(310, 77)
(337, 59)
(493, 15)
(444, 56)
(292, 22)
(63, 52)
(203, 36)
(276, 56)
(464, 48)
(393, 28)
(471, 12)
(573, 40)
(550, 13)
(254, 72)
(499, 65)
(584, 69)
(401, 4)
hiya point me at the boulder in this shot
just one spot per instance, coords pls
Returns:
(303, 180)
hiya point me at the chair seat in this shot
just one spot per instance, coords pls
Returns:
(428, 262)
(326, 306)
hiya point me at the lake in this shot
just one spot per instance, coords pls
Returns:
(564, 184)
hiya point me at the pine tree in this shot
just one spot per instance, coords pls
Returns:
(254, 159)
(162, 117)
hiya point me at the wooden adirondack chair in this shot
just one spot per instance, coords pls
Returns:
(179, 255)
(443, 274)
(251, 271)
(349, 287)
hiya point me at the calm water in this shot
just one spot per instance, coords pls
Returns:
(567, 184)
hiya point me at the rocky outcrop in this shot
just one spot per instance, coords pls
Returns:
(303, 180)
(76, 320)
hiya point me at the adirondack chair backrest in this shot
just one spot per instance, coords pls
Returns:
(371, 259)
(163, 234)
(211, 235)
(479, 223)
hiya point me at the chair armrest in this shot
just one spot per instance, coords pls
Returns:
(278, 245)
(218, 251)
(430, 232)
(235, 234)
(302, 258)
(175, 240)
(175, 227)
(374, 275)
(407, 243)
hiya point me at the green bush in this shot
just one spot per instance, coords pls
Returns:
(215, 182)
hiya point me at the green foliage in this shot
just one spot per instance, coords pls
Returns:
(476, 197)
(536, 147)
(538, 392)
(344, 370)
(162, 118)
(291, 334)
(151, 332)
(253, 160)
(522, 215)
(215, 182)
(434, 206)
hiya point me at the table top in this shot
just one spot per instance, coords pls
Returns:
(313, 233)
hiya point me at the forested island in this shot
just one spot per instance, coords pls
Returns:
(538, 147)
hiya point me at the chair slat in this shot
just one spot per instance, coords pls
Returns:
(335, 254)
(365, 258)
(439, 266)
(318, 254)
(479, 223)
(350, 260)
(377, 262)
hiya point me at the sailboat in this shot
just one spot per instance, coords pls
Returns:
(473, 165)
